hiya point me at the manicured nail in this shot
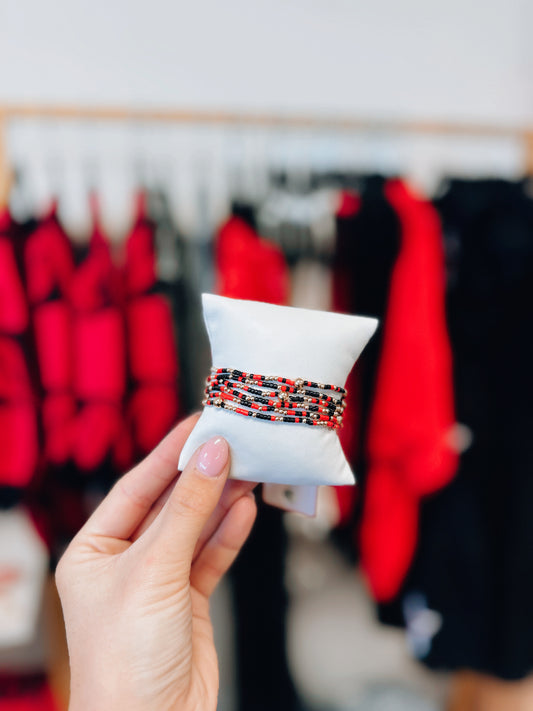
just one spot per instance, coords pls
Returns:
(213, 456)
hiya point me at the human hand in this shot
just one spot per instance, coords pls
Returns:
(135, 582)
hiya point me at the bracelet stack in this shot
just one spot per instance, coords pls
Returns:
(274, 398)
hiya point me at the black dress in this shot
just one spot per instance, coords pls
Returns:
(467, 600)
(366, 249)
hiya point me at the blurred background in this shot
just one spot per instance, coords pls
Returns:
(370, 158)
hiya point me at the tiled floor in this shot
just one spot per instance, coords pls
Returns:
(341, 658)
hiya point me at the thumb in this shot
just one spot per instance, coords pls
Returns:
(192, 502)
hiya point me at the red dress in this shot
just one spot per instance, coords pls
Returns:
(19, 441)
(49, 269)
(98, 355)
(407, 444)
(19, 445)
(153, 405)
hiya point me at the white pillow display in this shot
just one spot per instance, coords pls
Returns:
(261, 338)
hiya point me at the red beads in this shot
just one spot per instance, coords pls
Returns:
(275, 398)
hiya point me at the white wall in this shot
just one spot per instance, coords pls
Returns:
(466, 59)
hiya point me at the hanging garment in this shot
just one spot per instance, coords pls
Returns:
(409, 444)
(367, 241)
(405, 398)
(20, 469)
(176, 280)
(49, 267)
(151, 341)
(250, 267)
(99, 358)
(472, 571)
(19, 442)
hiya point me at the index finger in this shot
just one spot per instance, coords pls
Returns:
(131, 498)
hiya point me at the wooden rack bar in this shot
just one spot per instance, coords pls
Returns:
(9, 112)
(125, 114)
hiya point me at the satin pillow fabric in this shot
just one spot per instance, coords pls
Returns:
(295, 343)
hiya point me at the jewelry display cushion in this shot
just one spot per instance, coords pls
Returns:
(255, 337)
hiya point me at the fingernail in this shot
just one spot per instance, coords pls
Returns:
(213, 456)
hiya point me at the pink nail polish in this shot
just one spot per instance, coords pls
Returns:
(213, 456)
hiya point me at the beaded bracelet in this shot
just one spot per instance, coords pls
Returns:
(296, 401)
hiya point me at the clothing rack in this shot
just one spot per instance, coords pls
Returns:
(68, 112)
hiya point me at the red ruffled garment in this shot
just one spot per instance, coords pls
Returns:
(99, 357)
(153, 405)
(49, 268)
(249, 266)
(19, 445)
(408, 442)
